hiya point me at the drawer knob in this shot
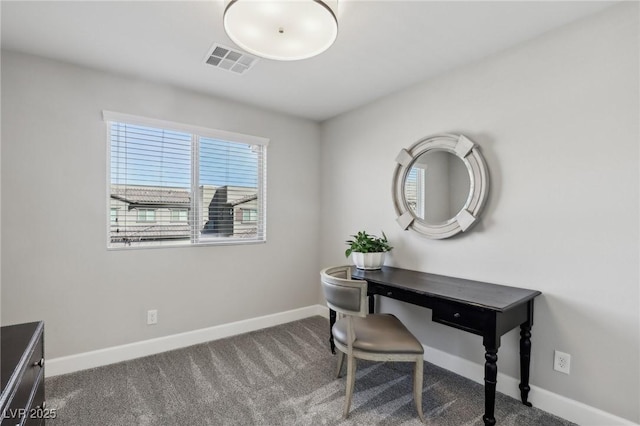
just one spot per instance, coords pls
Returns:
(456, 315)
(39, 363)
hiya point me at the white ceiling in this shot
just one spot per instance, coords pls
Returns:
(382, 46)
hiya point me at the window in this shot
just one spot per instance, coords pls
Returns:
(174, 184)
(179, 215)
(414, 189)
(146, 215)
(248, 215)
(114, 216)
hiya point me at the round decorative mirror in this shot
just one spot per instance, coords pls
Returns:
(440, 185)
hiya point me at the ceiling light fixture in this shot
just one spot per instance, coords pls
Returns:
(284, 30)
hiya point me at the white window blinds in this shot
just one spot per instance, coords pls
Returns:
(173, 184)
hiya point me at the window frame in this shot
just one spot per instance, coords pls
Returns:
(197, 132)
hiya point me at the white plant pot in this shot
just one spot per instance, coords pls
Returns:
(368, 260)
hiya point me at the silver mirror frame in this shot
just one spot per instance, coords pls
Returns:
(469, 153)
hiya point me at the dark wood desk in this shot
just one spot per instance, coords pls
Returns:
(488, 310)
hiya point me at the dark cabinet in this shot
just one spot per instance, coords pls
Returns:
(22, 374)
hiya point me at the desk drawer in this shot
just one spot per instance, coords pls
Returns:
(405, 295)
(461, 316)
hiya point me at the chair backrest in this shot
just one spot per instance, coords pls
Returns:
(343, 294)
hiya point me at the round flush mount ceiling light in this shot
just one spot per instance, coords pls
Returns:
(285, 30)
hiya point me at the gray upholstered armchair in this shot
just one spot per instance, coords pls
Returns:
(375, 337)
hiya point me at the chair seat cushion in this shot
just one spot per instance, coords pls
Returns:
(380, 333)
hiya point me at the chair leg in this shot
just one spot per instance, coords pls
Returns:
(351, 379)
(417, 388)
(340, 362)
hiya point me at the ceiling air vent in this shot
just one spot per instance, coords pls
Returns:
(230, 59)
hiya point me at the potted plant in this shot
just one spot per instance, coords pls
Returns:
(367, 251)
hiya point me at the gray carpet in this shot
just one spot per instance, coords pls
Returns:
(282, 375)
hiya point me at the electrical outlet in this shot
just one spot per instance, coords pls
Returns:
(562, 362)
(152, 316)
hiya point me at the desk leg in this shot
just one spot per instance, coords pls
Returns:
(525, 360)
(490, 376)
(332, 320)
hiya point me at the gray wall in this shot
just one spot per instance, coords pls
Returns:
(55, 264)
(557, 120)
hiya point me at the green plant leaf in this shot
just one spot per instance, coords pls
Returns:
(363, 242)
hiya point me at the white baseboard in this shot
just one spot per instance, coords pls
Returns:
(543, 399)
(98, 358)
